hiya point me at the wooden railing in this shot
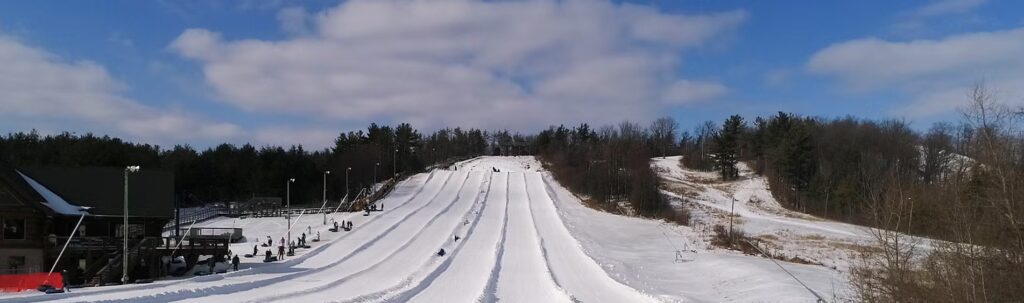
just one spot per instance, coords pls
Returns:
(231, 234)
(198, 216)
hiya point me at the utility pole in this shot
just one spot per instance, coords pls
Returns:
(394, 164)
(288, 211)
(732, 210)
(324, 210)
(124, 232)
(347, 170)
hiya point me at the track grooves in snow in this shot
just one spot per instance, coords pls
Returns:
(402, 265)
(365, 235)
(434, 267)
(348, 282)
(524, 276)
(491, 291)
(572, 269)
(465, 276)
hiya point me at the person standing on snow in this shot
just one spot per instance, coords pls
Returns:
(234, 262)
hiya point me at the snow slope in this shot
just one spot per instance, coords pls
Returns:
(524, 275)
(523, 238)
(462, 278)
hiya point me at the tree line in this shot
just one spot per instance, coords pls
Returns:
(228, 172)
(610, 167)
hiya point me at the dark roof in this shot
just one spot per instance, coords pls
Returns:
(150, 191)
(14, 189)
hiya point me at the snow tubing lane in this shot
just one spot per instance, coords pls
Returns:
(363, 247)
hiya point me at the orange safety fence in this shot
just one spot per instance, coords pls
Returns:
(22, 282)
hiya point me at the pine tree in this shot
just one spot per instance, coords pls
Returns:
(726, 152)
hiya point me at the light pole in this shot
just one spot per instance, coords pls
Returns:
(288, 212)
(732, 210)
(374, 185)
(124, 232)
(347, 170)
(324, 210)
(394, 164)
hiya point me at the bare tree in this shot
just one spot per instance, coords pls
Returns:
(663, 133)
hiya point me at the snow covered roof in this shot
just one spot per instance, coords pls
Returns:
(52, 200)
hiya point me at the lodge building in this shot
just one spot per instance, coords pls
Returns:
(40, 206)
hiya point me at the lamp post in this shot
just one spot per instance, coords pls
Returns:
(732, 213)
(374, 185)
(288, 212)
(324, 210)
(347, 170)
(394, 164)
(124, 232)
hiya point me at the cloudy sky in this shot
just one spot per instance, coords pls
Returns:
(299, 72)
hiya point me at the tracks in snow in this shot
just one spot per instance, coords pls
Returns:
(515, 247)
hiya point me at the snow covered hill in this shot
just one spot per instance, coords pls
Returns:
(522, 238)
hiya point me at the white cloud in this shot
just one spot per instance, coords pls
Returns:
(778, 77)
(41, 90)
(469, 63)
(685, 91)
(918, 20)
(946, 7)
(935, 73)
(119, 38)
(294, 21)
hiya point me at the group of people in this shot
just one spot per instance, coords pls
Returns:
(281, 249)
(347, 225)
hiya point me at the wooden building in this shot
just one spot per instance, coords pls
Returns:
(40, 206)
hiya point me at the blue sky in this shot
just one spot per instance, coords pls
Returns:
(291, 72)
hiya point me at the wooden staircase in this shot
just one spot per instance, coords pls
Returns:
(111, 271)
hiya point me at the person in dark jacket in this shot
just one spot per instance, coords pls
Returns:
(234, 262)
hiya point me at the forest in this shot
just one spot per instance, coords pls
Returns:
(611, 165)
(228, 172)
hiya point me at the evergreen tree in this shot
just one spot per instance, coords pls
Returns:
(726, 152)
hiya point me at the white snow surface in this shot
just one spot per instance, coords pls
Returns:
(522, 238)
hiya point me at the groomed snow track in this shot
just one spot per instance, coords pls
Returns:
(513, 247)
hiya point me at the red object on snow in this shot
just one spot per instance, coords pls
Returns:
(22, 282)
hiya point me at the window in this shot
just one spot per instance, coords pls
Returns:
(135, 230)
(15, 263)
(14, 229)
